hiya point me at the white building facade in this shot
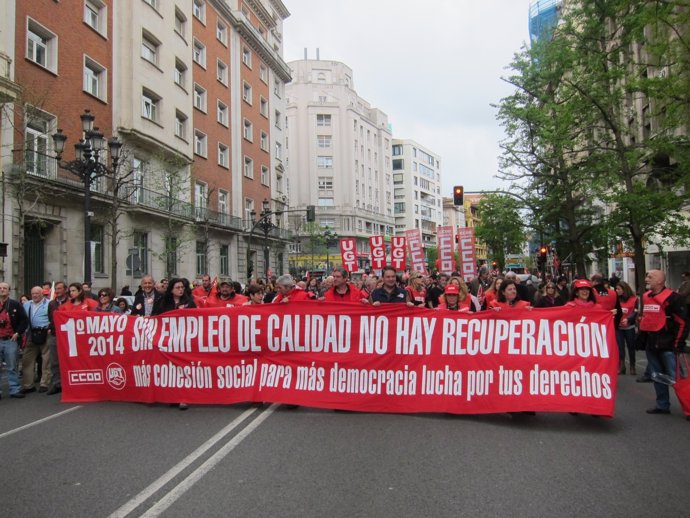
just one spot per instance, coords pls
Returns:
(339, 152)
(417, 189)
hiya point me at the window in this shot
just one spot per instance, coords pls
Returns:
(222, 72)
(263, 73)
(95, 15)
(398, 164)
(223, 201)
(397, 150)
(247, 93)
(141, 245)
(41, 46)
(248, 167)
(137, 195)
(326, 183)
(95, 78)
(97, 235)
(37, 146)
(222, 33)
(248, 130)
(180, 23)
(279, 151)
(150, 104)
(201, 268)
(278, 122)
(324, 141)
(200, 141)
(326, 201)
(263, 106)
(248, 208)
(199, 97)
(180, 73)
(247, 57)
(199, 10)
(224, 260)
(223, 155)
(264, 175)
(199, 53)
(324, 162)
(149, 48)
(277, 87)
(180, 125)
(264, 141)
(323, 119)
(222, 115)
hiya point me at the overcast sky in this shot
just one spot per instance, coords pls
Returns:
(433, 66)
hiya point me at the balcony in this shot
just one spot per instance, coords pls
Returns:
(9, 90)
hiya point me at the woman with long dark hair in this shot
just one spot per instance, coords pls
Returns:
(77, 300)
(178, 295)
(507, 297)
(626, 332)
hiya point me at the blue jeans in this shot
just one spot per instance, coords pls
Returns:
(8, 351)
(663, 362)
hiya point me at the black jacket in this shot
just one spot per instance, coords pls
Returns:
(139, 307)
(18, 317)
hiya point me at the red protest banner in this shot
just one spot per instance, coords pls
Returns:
(377, 245)
(414, 244)
(467, 253)
(349, 356)
(348, 253)
(446, 259)
(398, 253)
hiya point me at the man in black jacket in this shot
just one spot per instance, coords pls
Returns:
(13, 324)
(144, 301)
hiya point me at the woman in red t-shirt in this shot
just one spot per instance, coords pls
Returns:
(77, 301)
(507, 297)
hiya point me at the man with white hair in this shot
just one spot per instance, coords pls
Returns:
(664, 328)
(288, 291)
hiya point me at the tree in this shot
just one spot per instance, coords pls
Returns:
(500, 226)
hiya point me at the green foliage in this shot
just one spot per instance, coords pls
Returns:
(501, 226)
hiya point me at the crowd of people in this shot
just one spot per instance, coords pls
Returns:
(660, 330)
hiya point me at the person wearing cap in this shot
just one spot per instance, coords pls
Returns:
(508, 298)
(457, 299)
(227, 297)
(583, 295)
(343, 290)
(288, 291)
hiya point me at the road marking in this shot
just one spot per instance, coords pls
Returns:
(179, 467)
(5, 434)
(164, 503)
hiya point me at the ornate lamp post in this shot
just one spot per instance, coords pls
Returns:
(266, 225)
(88, 168)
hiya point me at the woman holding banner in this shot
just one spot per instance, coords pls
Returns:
(255, 292)
(491, 294)
(416, 289)
(583, 295)
(507, 297)
(178, 295)
(77, 300)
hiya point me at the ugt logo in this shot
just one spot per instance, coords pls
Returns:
(116, 376)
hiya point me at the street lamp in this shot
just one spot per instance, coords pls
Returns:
(266, 225)
(88, 168)
(329, 237)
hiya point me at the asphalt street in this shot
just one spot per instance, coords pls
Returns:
(126, 459)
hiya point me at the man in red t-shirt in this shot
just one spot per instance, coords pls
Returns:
(342, 290)
(227, 297)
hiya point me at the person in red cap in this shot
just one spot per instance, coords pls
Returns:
(583, 295)
(452, 301)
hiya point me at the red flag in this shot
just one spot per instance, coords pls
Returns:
(466, 251)
(414, 245)
(398, 255)
(348, 253)
(378, 252)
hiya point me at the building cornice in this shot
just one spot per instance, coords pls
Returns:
(147, 140)
(261, 12)
(254, 39)
(280, 8)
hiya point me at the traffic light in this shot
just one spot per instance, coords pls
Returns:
(458, 195)
(543, 252)
(311, 213)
